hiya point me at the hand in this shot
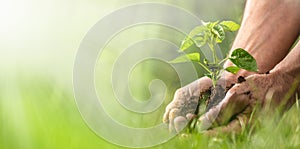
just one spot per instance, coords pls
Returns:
(183, 108)
(184, 104)
(273, 90)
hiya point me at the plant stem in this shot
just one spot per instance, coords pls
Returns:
(215, 62)
(222, 61)
(205, 68)
(214, 80)
(215, 58)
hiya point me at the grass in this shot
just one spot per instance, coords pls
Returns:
(38, 114)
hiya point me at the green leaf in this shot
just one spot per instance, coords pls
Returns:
(195, 57)
(243, 59)
(209, 25)
(198, 30)
(186, 43)
(230, 26)
(233, 69)
(200, 41)
(196, 36)
(219, 33)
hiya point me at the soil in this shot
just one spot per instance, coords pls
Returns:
(217, 94)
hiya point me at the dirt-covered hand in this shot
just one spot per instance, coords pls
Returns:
(186, 100)
(272, 90)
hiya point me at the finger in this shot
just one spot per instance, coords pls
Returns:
(178, 102)
(179, 123)
(232, 127)
(235, 126)
(232, 105)
(190, 93)
(172, 114)
(171, 127)
(208, 118)
(166, 115)
(234, 102)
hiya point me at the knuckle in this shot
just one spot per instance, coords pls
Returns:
(179, 92)
(173, 113)
(169, 106)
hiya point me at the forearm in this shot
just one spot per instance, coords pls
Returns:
(268, 30)
(290, 64)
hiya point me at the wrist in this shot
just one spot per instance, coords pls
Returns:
(286, 70)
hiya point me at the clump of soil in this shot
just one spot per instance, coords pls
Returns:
(218, 93)
(216, 96)
(208, 100)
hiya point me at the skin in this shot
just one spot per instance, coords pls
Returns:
(273, 91)
(268, 30)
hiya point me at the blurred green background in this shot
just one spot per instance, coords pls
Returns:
(38, 44)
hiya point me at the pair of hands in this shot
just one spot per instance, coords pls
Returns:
(273, 90)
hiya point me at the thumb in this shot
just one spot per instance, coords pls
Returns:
(235, 101)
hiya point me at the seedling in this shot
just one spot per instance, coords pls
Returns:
(211, 34)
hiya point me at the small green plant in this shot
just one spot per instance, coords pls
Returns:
(213, 33)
